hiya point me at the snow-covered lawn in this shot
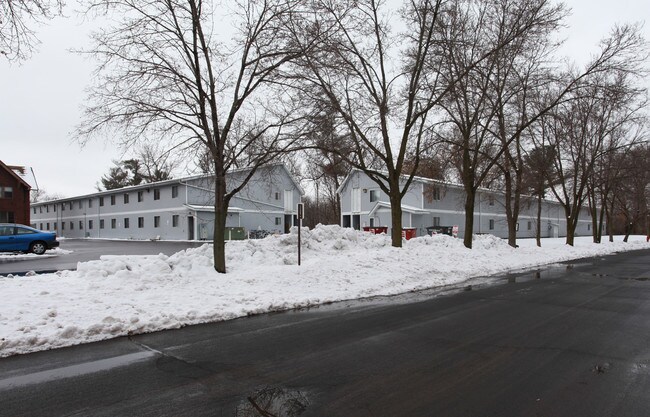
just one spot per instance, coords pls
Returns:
(120, 295)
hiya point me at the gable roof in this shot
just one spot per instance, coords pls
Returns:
(171, 181)
(15, 172)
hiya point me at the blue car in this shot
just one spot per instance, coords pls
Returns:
(20, 238)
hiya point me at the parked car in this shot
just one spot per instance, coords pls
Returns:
(21, 238)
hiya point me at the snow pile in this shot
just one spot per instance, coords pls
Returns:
(121, 295)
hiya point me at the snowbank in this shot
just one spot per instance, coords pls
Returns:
(120, 295)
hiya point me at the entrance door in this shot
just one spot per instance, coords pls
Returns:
(190, 227)
(356, 222)
(287, 223)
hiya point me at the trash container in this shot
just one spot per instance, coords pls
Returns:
(440, 230)
(409, 232)
(377, 230)
(235, 233)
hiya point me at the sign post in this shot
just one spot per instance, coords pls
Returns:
(301, 215)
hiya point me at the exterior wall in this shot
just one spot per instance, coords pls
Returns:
(171, 210)
(17, 206)
(422, 207)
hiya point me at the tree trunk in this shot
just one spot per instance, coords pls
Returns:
(539, 220)
(601, 217)
(220, 215)
(396, 217)
(571, 224)
(469, 217)
(629, 226)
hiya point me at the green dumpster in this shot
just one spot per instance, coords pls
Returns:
(235, 233)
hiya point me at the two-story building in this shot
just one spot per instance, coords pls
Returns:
(435, 203)
(177, 209)
(14, 194)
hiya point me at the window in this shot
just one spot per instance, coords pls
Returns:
(588, 226)
(491, 200)
(21, 231)
(62, 225)
(71, 225)
(6, 192)
(491, 224)
(34, 209)
(48, 226)
(6, 230)
(47, 208)
(40, 209)
(436, 221)
(113, 223)
(81, 224)
(62, 206)
(54, 207)
(113, 200)
(156, 221)
(517, 227)
(374, 195)
(90, 224)
(126, 222)
(126, 198)
(40, 226)
(90, 203)
(156, 194)
(71, 205)
(81, 205)
(101, 223)
(278, 221)
(175, 220)
(140, 196)
(277, 197)
(436, 193)
(7, 217)
(174, 191)
(530, 225)
(140, 222)
(101, 201)
(55, 224)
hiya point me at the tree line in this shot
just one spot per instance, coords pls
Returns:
(468, 91)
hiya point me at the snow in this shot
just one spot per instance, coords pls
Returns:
(123, 295)
(25, 256)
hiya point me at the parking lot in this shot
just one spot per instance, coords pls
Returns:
(73, 251)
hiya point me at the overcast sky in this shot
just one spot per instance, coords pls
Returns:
(40, 100)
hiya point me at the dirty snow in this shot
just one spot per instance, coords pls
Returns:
(121, 295)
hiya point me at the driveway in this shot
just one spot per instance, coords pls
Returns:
(73, 251)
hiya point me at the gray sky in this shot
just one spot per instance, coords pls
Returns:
(40, 100)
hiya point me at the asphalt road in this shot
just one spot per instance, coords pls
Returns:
(572, 340)
(88, 250)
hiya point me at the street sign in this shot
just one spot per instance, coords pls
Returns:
(301, 211)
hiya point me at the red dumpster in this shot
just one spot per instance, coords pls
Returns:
(409, 232)
(377, 230)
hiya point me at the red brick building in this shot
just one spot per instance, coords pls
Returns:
(14, 195)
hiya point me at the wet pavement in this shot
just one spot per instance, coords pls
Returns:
(569, 340)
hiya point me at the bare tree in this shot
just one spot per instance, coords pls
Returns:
(385, 86)
(164, 73)
(490, 108)
(324, 168)
(17, 37)
(157, 163)
(38, 195)
(538, 165)
(585, 129)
